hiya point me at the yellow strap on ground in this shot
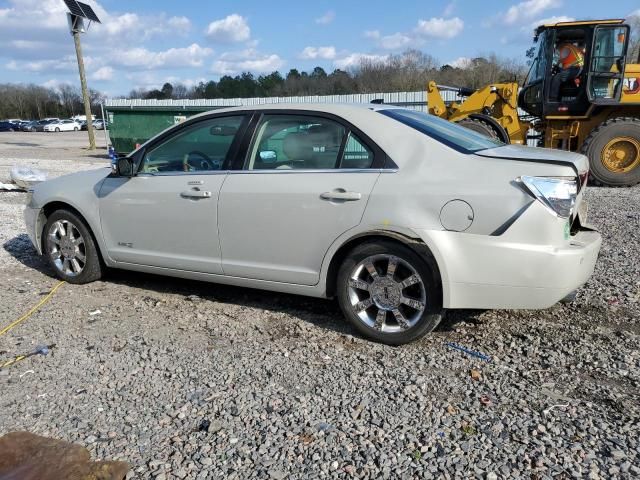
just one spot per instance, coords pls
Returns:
(31, 312)
(8, 363)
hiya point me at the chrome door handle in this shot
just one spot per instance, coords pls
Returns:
(195, 194)
(340, 194)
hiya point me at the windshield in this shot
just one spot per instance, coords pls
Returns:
(452, 135)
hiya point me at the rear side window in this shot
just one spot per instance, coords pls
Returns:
(448, 133)
(356, 153)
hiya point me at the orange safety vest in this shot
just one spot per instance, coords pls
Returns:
(570, 56)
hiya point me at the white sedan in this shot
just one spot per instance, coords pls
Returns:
(62, 126)
(398, 214)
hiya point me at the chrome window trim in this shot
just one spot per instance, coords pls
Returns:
(182, 174)
(290, 171)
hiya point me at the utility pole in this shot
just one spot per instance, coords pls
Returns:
(78, 11)
(85, 91)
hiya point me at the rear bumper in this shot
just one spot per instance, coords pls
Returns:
(480, 271)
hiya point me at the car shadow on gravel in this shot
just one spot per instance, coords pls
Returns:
(319, 312)
(21, 249)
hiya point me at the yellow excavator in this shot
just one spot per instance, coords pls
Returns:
(594, 110)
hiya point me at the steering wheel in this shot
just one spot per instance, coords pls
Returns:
(189, 165)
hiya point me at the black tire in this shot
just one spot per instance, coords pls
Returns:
(93, 267)
(425, 267)
(478, 126)
(75, 129)
(57, 130)
(595, 143)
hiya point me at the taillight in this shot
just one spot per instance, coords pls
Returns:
(558, 194)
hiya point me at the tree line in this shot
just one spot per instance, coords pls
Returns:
(36, 102)
(409, 71)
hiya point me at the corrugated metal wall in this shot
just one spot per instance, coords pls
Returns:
(412, 100)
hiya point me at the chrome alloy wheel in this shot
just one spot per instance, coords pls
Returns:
(387, 293)
(66, 247)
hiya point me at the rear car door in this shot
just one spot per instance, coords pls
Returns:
(305, 181)
(166, 215)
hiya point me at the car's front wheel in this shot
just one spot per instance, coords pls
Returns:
(57, 130)
(70, 248)
(389, 292)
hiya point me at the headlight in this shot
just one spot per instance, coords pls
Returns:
(558, 194)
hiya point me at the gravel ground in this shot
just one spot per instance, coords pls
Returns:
(286, 390)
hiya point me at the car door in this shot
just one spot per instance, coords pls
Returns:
(166, 215)
(305, 181)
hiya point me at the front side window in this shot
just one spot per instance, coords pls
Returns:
(452, 135)
(539, 65)
(203, 146)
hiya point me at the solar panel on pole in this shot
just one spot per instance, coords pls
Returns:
(74, 8)
(82, 10)
(88, 12)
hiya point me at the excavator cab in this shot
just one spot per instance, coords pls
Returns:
(575, 65)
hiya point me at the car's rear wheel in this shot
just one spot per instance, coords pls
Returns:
(389, 292)
(71, 249)
(75, 129)
(57, 129)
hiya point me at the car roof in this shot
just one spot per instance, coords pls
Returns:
(339, 109)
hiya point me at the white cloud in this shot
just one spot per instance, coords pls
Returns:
(525, 11)
(395, 41)
(461, 62)
(327, 18)
(374, 34)
(55, 83)
(555, 19)
(103, 73)
(181, 24)
(28, 44)
(440, 27)
(249, 60)
(449, 9)
(230, 29)
(120, 24)
(355, 59)
(66, 63)
(141, 58)
(312, 53)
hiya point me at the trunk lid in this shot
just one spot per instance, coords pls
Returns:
(542, 155)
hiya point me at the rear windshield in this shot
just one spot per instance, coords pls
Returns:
(452, 135)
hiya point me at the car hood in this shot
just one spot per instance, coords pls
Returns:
(542, 155)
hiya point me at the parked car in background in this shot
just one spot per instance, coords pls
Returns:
(397, 213)
(42, 123)
(98, 124)
(29, 126)
(8, 127)
(66, 125)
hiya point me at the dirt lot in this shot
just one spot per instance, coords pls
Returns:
(290, 392)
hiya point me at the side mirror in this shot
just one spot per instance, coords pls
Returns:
(268, 156)
(124, 167)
